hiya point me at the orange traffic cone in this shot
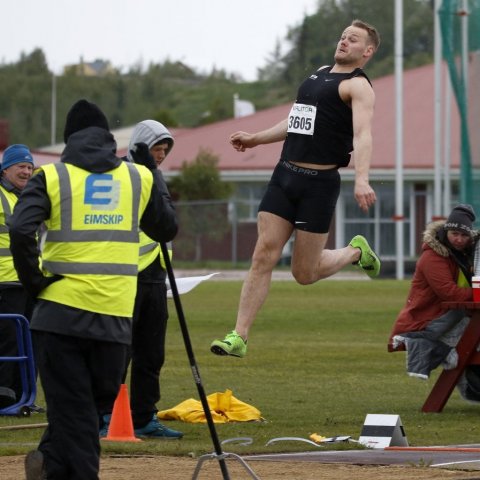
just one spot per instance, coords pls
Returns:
(121, 424)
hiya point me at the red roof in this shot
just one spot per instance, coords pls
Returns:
(215, 137)
(42, 158)
(418, 121)
(418, 130)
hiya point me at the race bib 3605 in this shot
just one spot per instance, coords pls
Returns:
(301, 119)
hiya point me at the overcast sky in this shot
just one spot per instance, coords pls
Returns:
(237, 36)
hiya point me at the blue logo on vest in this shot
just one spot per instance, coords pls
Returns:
(102, 192)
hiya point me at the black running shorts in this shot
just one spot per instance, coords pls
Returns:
(304, 197)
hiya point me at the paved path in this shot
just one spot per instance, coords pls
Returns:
(452, 458)
(278, 275)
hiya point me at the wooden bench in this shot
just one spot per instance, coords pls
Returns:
(467, 355)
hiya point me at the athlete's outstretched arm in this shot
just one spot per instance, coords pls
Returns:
(362, 101)
(243, 140)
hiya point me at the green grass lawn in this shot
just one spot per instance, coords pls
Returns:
(317, 363)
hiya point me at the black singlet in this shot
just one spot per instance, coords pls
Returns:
(332, 140)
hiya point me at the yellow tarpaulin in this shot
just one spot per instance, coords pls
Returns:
(224, 408)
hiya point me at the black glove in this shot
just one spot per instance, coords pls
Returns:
(142, 156)
(34, 288)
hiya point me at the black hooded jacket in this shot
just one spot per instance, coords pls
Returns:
(92, 149)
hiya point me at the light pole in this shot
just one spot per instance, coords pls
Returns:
(399, 213)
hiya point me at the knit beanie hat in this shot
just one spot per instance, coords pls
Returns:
(16, 154)
(461, 219)
(84, 114)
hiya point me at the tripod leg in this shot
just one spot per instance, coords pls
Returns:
(193, 363)
(212, 456)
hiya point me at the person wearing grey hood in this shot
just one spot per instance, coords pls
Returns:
(149, 145)
(156, 136)
(93, 205)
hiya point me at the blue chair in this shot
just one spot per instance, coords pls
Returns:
(26, 364)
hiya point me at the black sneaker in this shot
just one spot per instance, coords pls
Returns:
(154, 429)
(34, 466)
(34, 408)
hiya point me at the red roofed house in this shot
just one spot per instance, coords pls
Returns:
(251, 170)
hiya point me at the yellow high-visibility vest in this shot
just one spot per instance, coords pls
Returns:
(7, 270)
(462, 280)
(92, 237)
(149, 250)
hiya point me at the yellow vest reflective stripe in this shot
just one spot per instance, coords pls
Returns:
(462, 280)
(92, 236)
(149, 250)
(7, 270)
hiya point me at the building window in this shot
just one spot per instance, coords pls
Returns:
(377, 225)
(247, 198)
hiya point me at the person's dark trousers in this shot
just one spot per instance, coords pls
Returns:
(12, 300)
(79, 377)
(149, 328)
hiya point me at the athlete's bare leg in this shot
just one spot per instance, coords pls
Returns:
(273, 234)
(310, 263)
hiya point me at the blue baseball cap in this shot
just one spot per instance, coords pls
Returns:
(16, 154)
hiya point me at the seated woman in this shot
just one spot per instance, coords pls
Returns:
(424, 327)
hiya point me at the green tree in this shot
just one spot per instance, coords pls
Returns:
(177, 95)
(201, 202)
(274, 67)
(166, 117)
(313, 42)
(34, 63)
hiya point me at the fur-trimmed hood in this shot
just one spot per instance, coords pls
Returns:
(435, 281)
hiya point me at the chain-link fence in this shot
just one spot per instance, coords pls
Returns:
(213, 230)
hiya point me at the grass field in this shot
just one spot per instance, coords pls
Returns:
(317, 363)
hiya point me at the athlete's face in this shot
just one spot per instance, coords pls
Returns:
(159, 152)
(353, 48)
(19, 174)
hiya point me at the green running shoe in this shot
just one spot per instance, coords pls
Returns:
(233, 344)
(369, 262)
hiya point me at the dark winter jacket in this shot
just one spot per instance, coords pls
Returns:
(434, 282)
(92, 149)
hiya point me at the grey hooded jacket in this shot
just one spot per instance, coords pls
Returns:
(150, 132)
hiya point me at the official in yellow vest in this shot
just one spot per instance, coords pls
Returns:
(150, 313)
(16, 170)
(95, 250)
(93, 205)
